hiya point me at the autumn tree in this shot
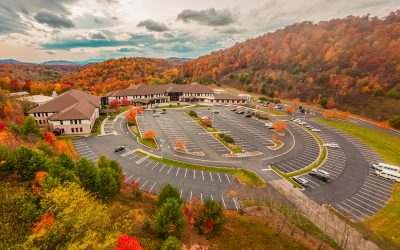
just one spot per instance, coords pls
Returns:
(126, 242)
(290, 110)
(279, 126)
(180, 145)
(125, 102)
(114, 104)
(169, 218)
(149, 134)
(384, 125)
(167, 191)
(330, 103)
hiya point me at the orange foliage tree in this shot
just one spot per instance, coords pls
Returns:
(130, 115)
(46, 221)
(279, 126)
(271, 106)
(180, 145)
(384, 125)
(206, 122)
(331, 103)
(40, 177)
(290, 110)
(149, 134)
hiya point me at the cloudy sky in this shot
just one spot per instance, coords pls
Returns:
(41, 30)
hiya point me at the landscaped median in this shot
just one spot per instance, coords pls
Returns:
(226, 140)
(316, 163)
(247, 177)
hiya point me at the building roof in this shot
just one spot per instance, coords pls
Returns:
(73, 104)
(227, 96)
(145, 89)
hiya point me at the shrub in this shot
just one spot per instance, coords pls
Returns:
(29, 210)
(108, 184)
(169, 218)
(131, 123)
(7, 161)
(126, 242)
(395, 121)
(168, 191)
(86, 171)
(171, 243)
(227, 138)
(192, 113)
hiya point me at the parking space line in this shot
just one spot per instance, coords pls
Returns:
(180, 196)
(202, 174)
(155, 165)
(186, 173)
(177, 171)
(194, 174)
(223, 201)
(161, 168)
(144, 184)
(152, 187)
(129, 178)
(169, 169)
(227, 178)
(211, 177)
(212, 198)
(219, 177)
(201, 197)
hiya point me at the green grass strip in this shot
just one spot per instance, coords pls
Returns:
(246, 176)
(285, 176)
(321, 159)
(149, 142)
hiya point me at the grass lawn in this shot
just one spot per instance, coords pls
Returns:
(386, 223)
(246, 176)
(149, 142)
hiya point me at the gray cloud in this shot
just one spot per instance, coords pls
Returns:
(232, 30)
(52, 20)
(98, 35)
(125, 50)
(152, 25)
(98, 21)
(210, 17)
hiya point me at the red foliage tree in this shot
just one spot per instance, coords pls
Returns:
(46, 221)
(125, 102)
(126, 242)
(49, 137)
(114, 104)
(2, 125)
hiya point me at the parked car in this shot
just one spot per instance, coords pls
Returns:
(156, 115)
(240, 112)
(119, 148)
(316, 130)
(215, 111)
(331, 145)
(233, 109)
(302, 181)
(269, 125)
(319, 174)
(247, 115)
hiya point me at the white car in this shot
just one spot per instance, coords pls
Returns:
(316, 130)
(331, 145)
(269, 125)
(156, 115)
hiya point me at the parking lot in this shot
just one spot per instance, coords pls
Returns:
(151, 175)
(355, 191)
(352, 189)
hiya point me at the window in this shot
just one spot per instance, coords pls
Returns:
(80, 121)
(40, 121)
(62, 131)
(61, 122)
(72, 130)
(70, 121)
(80, 129)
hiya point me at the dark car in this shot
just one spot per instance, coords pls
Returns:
(240, 112)
(247, 115)
(119, 148)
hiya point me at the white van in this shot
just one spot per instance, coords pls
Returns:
(383, 166)
(391, 175)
